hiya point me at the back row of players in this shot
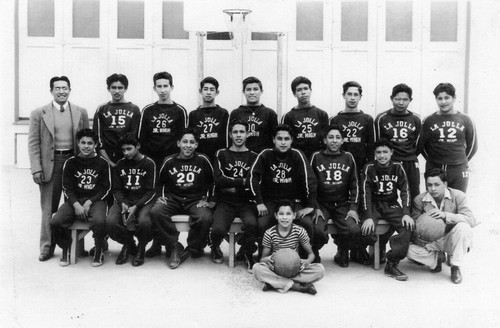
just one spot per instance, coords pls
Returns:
(290, 165)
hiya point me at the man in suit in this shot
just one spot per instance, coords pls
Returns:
(51, 141)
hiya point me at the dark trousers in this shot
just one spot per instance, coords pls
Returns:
(392, 213)
(348, 234)
(123, 234)
(65, 216)
(224, 215)
(200, 220)
(50, 196)
(412, 171)
(458, 175)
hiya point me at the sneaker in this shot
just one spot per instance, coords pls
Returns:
(65, 258)
(216, 254)
(391, 270)
(308, 288)
(98, 258)
(248, 259)
(196, 253)
(105, 247)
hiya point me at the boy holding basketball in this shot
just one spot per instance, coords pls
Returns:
(287, 235)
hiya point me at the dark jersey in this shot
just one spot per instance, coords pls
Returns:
(448, 139)
(381, 184)
(232, 170)
(134, 182)
(358, 133)
(161, 125)
(262, 122)
(403, 130)
(309, 125)
(86, 178)
(113, 120)
(211, 124)
(276, 175)
(190, 178)
(337, 176)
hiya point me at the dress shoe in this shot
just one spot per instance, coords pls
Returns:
(139, 257)
(342, 258)
(456, 275)
(439, 266)
(154, 250)
(196, 253)
(65, 258)
(123, 256)
(361, 256)
(45, 256)
(217, 256)
(175, 257)
(267, 287)
(391, 270)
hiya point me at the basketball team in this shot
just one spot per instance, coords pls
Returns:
(287, 181)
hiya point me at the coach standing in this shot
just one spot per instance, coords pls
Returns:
(51, 142)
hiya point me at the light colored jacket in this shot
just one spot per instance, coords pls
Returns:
(456, 208)
(41, 136)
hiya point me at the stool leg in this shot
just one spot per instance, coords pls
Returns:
(74, 241)
(231, 249)
(376, 262)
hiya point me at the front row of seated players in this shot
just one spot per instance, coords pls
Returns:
(286, 234)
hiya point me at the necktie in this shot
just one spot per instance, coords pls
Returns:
(62, 108)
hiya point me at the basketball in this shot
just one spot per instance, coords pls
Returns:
(429, 229)
(286, 263)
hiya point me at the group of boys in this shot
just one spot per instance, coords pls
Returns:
(215, 166)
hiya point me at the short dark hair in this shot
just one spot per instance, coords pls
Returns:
(209, 80)
(444, 87)
(238, 121)
(189, 131)
(382, 142)
(282, 203)
(401, 88)
(349, 84)
(283, 127)
(59, 78)
(128, 139)
(117, 78)
(251, 79)
(299, 80)
(86, 133)
(163, 75)
(436, 173)
(332, 127)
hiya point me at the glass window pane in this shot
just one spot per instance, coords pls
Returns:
(86, 18)
(354, 18)
(41, 18)
(309, 21)
(173, 20)
(444, 21)
(219, 36)
(130, 19)
(259, 36)
(398, 21)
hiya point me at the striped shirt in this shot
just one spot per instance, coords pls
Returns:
(274, 241)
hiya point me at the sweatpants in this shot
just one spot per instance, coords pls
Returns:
(457, 175)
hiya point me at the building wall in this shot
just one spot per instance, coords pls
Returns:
(338, 56)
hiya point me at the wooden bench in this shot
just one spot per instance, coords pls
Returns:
(80, 229)
(182, 224)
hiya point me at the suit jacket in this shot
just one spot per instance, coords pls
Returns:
(41, 136)
(456, 208)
